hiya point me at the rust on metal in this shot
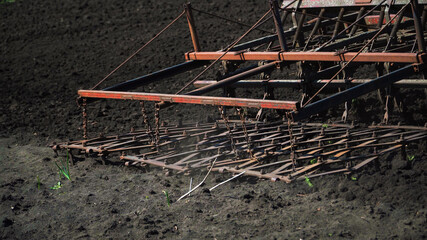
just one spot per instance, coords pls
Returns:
(201, 100)
(283, 151)
(296, 83)
(308, 56)
(329, 44)
(192, 27)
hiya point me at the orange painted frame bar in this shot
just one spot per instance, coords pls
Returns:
(202, 100)
(308, 56)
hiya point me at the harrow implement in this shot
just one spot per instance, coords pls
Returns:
(327, 45)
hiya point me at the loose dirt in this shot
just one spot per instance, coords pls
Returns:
(51, 49)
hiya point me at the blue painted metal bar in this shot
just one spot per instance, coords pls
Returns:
(355, 92)
(155, 76)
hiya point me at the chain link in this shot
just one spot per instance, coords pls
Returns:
(291, 140)
(157, 124)
(245, 131)
(146, 122)
(230, 134)
(84, 112)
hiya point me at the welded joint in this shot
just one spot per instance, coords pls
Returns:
(418, 67)
(421, 57)
(241, 52)
(280, 56)
(187, 56)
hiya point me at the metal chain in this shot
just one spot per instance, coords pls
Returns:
(146, 122)
(84, 112)
(230, 134)
(157, 124)
(248, 140)
(291, 140)
(386, 108)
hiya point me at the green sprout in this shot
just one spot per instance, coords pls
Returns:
(330, 234)
(38, 182)
(313, 161)
(64, 167)
(167, 198)
(411, 158)
(325, 125)
(307, 180)
(7, 1)
(56, 186)
(354, 178)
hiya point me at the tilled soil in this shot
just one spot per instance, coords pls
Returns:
(50, 49)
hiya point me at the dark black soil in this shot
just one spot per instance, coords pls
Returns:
(51, 49)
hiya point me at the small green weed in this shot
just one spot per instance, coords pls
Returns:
(411, 158)
(38, 182)
(313, 161)
(307, 180)
(56, 186)
(354, 178)
(167, 198)
(330, 234)
(325, 125)
(64, 167)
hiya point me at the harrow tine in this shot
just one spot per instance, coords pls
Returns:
(183, 161)
(271, 148)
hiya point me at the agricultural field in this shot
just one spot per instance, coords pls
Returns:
(51, 49)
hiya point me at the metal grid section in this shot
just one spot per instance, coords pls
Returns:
(277, 151)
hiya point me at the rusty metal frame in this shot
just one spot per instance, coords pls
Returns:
(367, 57)
(296, 83)
(279, 57)
(201, 100)
(281, 150)
(314, 4)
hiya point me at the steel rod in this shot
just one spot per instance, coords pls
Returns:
(354, 92)
(202, 100)
(309, 56)
(349, 4)
(278, 23)
(156, 76)
(192, 27)
(296, 83)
